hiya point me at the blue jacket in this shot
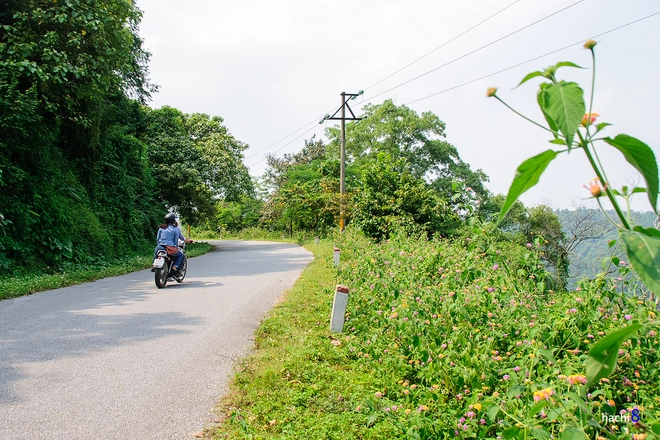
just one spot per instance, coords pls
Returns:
(169, 236)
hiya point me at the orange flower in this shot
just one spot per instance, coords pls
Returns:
(491, 92)
(589, 118)
(595, 188)
(543, 394)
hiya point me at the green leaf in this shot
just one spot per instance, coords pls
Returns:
(537, 408)
(603, 355)
(540, 433)
(541, 99)
(573, 434)
(371, 419)
(492, 412)
(643, 250)
(640, 156)
(567, 64)
(511, 432)
(558, 141)
(579, 400)
(655, 428)
(564, 104)
(529, 76)
(527, 175)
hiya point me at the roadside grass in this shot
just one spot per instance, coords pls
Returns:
(298, 383)
(11, 287)
(442, 339)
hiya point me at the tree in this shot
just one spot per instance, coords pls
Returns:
(420, 140)
(195, 162)
(388, 197)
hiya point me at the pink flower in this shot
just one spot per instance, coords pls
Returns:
(627, 317)
(496, 267)
(577, 378)
(589, 119)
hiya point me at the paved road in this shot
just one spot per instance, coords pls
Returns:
(120, 359)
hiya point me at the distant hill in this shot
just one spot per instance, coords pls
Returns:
(587, 255)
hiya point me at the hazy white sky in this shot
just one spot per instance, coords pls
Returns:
(272, 68)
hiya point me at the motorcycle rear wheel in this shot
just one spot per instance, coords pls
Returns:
(161, 276)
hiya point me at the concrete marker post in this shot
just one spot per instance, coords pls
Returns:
(316, 240)
(335, 258)
(339, 309)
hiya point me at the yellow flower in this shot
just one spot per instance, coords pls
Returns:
(595, 188)
(491, 92)
(543, 394)
(477, 406)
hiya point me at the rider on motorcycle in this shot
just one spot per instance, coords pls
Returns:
(169, 234)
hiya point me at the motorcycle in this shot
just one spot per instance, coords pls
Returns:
(163, 263)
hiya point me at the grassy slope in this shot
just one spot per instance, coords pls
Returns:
(297, 384)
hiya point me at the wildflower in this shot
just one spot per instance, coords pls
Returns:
(495, 267)
(516, 368)
(627, 317)
(470, 415)
(358, 409)
(589, 44)
(595, 188)
(589, 119)
(572, 310)
(477, 406)
(577, 378)
(529, 245)
(578, 299)
(408, 411)
(422, 408)
(506, 377)
(379, 394)
(543, 394)
(492, 91)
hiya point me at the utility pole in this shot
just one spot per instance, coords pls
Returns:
(342, 172)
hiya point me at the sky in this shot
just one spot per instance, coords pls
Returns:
(272, 70)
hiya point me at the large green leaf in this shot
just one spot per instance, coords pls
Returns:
(573, 434)
(564, 104)
(640, 155)
(541, 99)
(527, 175)
(643, 250)
(603, 355)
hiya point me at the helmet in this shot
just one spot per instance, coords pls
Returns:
(170, 218)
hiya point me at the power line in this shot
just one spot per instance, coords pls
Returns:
(476, 50)
(287, 144)
(389, 76)
(443, 45)
(533, 59)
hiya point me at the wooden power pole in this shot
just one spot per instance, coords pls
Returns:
(342, 172)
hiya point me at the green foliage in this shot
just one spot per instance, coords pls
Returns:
(401, 133)
(388, 197)
(446, 339)
(195, 161)
(563, 106)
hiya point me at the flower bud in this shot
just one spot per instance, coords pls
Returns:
(590, 44)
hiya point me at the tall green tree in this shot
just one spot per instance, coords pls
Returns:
(195, 162)
(402, 133)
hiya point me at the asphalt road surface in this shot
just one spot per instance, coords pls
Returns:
(120, 359)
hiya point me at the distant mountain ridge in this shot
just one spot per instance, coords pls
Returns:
(587, 256)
